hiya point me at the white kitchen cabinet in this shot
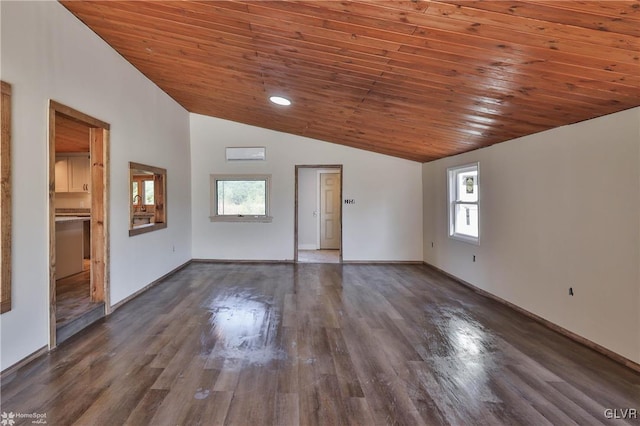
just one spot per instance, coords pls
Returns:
(62, 174)
(79, 174)
(73, 173)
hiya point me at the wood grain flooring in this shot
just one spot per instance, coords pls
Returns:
(310, 344)
(73, 296)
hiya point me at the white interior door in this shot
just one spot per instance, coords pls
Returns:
(330, 211)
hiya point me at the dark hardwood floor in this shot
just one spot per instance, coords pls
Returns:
(247, 344)
(73, 297)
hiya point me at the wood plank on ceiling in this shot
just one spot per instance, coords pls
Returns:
(385, 76)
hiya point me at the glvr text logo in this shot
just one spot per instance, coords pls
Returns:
(621, 413)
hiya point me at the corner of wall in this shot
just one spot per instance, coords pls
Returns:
(548, 224)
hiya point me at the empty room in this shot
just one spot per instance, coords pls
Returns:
(320, 212)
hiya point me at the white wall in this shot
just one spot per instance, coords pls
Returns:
(73, 200)
(48, 54)
(559, 209)
(385, 223)
(307, 205)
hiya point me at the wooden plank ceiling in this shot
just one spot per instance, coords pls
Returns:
(419, 80)
(71, 135)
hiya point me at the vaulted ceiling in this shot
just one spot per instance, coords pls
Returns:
(419, 80)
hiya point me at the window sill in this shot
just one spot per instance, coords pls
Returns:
(147, 227)
(256, 219)
(466, 239)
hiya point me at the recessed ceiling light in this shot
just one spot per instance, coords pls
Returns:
(279, 100)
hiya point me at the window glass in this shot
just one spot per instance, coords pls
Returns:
(468, 186)
(466, 217)
(148, 192)
(242, 197)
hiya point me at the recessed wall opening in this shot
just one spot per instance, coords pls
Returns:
(318, 214)
(147, 198)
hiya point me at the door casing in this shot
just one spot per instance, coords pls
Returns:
(99, 149)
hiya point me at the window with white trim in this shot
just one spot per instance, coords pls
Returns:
(240, 198)
(464, 203)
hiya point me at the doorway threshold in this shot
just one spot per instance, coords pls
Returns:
(69, 328)
(318, 256)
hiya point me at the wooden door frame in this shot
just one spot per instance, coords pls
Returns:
(99, 151)
(5, 198)
(295, 228)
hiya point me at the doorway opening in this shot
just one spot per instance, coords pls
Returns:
(78, 219)
(318, 214)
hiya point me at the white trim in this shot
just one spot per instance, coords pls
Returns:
(241, 218)
(215, 217)
(452, 172)
(466, 238)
